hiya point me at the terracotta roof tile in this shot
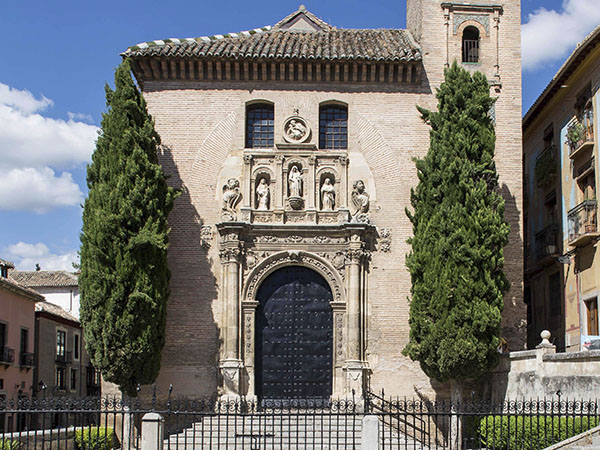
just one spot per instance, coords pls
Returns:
(6, 263)
(325, 42)
(43, 278)
(55, 310)
(13, 286)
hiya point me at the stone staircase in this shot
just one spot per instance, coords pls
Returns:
(595, 445)
(279, 432)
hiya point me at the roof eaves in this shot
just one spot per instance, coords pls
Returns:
(16, 288)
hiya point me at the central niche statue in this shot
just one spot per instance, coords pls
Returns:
(360, 200)
(231, 198)
(295, 188)
(327, 195)
(263, 195)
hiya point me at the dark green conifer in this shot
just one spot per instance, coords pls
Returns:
(124, 279)
(459, 231)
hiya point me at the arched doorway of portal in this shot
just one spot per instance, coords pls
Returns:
(294, 335)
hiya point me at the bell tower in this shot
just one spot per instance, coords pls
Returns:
(484, 36)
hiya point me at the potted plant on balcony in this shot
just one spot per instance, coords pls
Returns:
(575, 135)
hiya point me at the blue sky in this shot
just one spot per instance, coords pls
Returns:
(59, 54)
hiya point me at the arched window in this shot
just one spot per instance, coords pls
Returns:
(260, 126)
(470, 45)
(333, 127)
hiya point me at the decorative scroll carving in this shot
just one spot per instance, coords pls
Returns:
(206, 236)
(294, 239)
(249, 336)
(360, 201)
(482, 19)
(231, 198)
(355, 255)
(385, 243)
(339, 331)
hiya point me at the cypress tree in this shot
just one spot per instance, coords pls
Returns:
(456, 261)
(124, 279)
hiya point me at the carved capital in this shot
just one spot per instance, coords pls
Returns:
(279, 159)
(312, 160)
(248, 159)
(355, 255)
(228, 255)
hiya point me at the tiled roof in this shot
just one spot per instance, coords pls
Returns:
(13, 286)
(43, 278)
(55, 310)
(282, 41)
(6, 263)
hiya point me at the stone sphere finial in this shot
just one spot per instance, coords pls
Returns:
(545, 335)
(302, 8)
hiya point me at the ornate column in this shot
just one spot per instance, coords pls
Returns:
(230, 363)
(355, 365)
(248, 317)
(344, 213)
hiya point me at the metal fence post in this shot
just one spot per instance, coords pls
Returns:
(152, 431)
(370, 433)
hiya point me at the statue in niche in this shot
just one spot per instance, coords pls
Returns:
(295, 182)
(263, 195)
(360, 201)
(231, 198)
(327, 195)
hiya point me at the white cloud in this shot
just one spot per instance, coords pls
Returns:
(38, 190)
(22, 101)
(26, 256)
(549, 36)
(33, 146)
(80, 116)
(32, 139)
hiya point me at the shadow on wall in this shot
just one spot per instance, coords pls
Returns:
(514, 315)
(190, 356)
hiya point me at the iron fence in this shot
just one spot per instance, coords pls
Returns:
(190, 424)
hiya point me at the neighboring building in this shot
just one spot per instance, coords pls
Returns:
(17, 305)
(57, 286)
(560, 148)
(294, 146)
(62, 366)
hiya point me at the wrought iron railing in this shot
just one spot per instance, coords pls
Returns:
(470, 50)
(546, 242)
(26, 359)
(7, 355)
(199, 424)
(582, 220)
(580, 130)
(64, 357)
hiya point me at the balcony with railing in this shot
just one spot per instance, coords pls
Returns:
(7, 356)
(583, 224)
(64, 357)
(26, 360)
(580, 133)
(546, 243)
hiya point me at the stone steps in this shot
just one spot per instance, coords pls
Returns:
(285, 432)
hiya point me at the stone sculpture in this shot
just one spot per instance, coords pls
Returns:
(360, 201)
(263, 195)
(327, 195)
(231, 198)
(295, 182)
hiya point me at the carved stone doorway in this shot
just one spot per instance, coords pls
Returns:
(294, 335)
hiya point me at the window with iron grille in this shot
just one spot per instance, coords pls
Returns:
(333, 127)
(61, 342)
(260, 129)
(470, 45)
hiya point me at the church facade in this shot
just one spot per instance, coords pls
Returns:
(293, 146)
